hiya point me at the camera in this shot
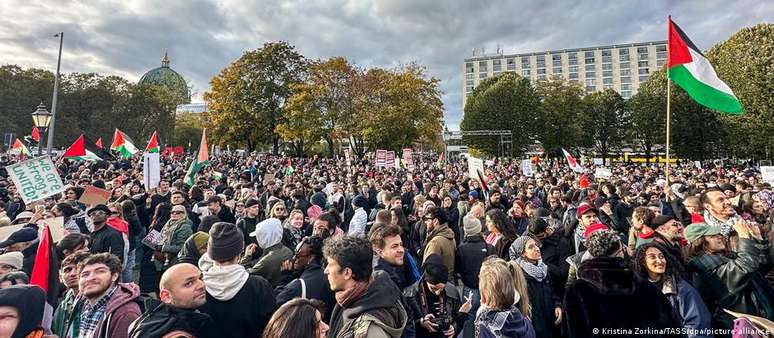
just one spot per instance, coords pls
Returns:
(442, 318)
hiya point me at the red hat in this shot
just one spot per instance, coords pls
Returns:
(584, 182)
(592, 228)
(584, 208)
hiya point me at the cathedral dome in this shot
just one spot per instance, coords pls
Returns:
(167, 77)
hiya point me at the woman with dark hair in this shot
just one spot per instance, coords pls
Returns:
(196, 194)
(546, 311)
(75, 220)
(653, 262)
(501, 232)
(398, 219)
(117, 195)
(149, 275)
(296, 318)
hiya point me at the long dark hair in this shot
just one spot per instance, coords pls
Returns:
(296, 318)
(161, 215)
(674, 269)
(502, 223)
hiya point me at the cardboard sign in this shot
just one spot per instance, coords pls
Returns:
(599, 161)
(56, 225)
(93, 195)
(36, 179)
(390, 160)
(526, 168)
(151, 170)
(6, 231)
(475, 168)
(381, 158)
(767, 173)
(603, 173)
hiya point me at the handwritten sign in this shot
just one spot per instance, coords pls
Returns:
(93, 196)
(767, 173)
(526, 167)
(603, 173)
(36, 179)
(475, 168)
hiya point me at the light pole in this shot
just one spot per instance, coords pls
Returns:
(41, 119)
(56, 91)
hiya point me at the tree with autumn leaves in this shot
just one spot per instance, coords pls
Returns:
(274, 95)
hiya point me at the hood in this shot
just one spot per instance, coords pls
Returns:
(126, 292)
(510, 323)
(222, 282)
(29, 301)
(165, 319)
(608, 275)
(443, 231)
(118, 224)
(381, 304)
(268, 233)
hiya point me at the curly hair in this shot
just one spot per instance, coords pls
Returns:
(674, 268)
(502, 223)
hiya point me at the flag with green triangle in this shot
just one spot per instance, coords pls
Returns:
(123, 144)
(199, 162)
(19, 149)
(81, 152)
(153, 144)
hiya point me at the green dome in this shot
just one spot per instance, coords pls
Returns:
(165, 76)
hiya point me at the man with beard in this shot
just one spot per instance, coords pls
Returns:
(68, 274)
(107, 307)
(104, 238)
(719, 211)
(216, 207)
(181, 292)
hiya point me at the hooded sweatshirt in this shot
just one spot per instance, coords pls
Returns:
(29, 300)
(269, 237)
(122, 309)
(377, 313)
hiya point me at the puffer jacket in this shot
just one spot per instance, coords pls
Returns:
(165, 319)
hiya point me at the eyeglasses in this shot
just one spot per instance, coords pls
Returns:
(178, 212)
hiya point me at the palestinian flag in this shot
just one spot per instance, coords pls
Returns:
(572, 162)
(99, 143)
(123, 144)
(153, 144)
(35, 134)
(19, 149)
(690, 70)
(79, 151)
(45, 274)
(201, 160)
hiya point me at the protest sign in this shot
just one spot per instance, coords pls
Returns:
(489, 163)
(381, 158)
(390, 159)
(93, 195)
(475, 168)
(767, 173)
(56, 225)
(526, 167)
(598, 161)
(35, 179)
(151, 173)
(697, 164)
(603, 173)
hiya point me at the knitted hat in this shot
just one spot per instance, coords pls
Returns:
(200, 239)
(359, 201)
(471, 225)
(251, 202)
(603, 243)
(225, 243)
(207, 221)
(520, 244)
(14, 259)
(698, 230)
(594, 227)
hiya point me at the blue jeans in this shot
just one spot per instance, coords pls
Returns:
(475, 301)
(126, 273)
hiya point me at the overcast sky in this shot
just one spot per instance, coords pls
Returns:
(128, 37)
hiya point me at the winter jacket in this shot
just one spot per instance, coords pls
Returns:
(177, 233)
(189, 253)
(469, 257)
(376, 314)
(734, 281)
(499, 324)
(688, 305)
(314, 286)
(268, 266)
(451, 301)
(64, 311)
(405, 283)
(606, 294)
(247, 225)
(165, 319)
(441, 241)
(122, 309)
(107, 239)
(543, 301)
(358, 224)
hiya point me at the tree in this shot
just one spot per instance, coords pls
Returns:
(247, 98)
(648, 117)
(302, 123)
(506, 101)
(605, 121)
(560, 120)
(188, 130)
(744, 62)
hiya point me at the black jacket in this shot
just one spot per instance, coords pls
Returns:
(107, 239)
(165, 319)
(245, 315)
(247, 226)
(470, 254)
(226, 215)
(608, 295)
(543, 301)
(317, 287)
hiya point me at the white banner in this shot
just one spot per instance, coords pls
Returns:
(526, 167)
(697, 164)
(35, 179)
(603, 173)
(598, 161)
(475, 167)
(767, 172)
(151, 170)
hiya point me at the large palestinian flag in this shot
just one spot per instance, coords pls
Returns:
(690, 70)
(201, 160)
(123, 144)
(81, 152)
(45, 274)
(153, 144)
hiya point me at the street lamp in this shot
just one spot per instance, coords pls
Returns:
(41, 118)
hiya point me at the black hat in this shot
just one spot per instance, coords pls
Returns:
(226, 242)
(251, 202)
(207, 221)
(98, 207)
(660, 220)
(29, 301)
(22, 235)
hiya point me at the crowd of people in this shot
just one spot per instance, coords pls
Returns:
(271, 246)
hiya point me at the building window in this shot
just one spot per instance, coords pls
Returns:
(626, 94)
(660, 63)
(591, 82)
(607, 80)
(626, 72)
(591, 89)
(643, 78)
(541, 71)
(607, 66)
(589, 54)
(469, 89)
(574, 76)
(623, 57)
(661, 48)
(573, 69)
(623, 51)
(642, 63)
(661, 55)
(482, 75)
(626, 79)
(607, 73)
(642, 50)
(607, 59)
(644, 71)
(525, 72)
(556, 60)
(482, 66)
(525, 62)
(468, 82)
(608, 86)
(496, 66)
(643, 57)
(557, 70)
(468, 76)
(607, 52)
(591, 74)
(541, 77)
(589, 60)
(573, 62)
(624, 65)
(626, 86)
(469, 67)
(541, 60)
(511, 64)
(590, 67)
(572, 56)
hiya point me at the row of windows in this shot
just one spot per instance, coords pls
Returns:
(483, 66)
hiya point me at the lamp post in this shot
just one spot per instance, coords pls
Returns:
(41, 119)
(56, 91)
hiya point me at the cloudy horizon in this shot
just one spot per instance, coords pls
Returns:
(128, 38)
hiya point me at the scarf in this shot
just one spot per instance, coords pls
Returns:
(725, 227)
(223, 282)
(537, 271)
(169, 229)
(345, 298)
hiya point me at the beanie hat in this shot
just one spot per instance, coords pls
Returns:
(207, 221)
(251, 202)
(29, 301)
(593, 228)
(603, 243)
(434, 270)
(471, 225)
(200, 239)
(519, 245)
(319, 199)
(314, 212)
(226, 242)
(473, 194)
(14, 259)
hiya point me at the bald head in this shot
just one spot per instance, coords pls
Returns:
(182, 286)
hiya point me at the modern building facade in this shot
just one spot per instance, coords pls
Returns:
(620, 67)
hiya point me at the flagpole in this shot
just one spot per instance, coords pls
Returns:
(668, 112)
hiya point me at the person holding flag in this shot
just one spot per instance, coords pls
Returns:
(123, 144)
(201, 160)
